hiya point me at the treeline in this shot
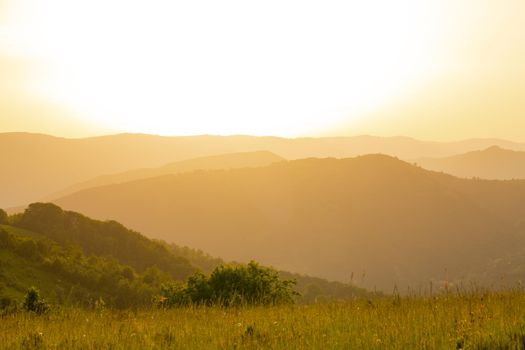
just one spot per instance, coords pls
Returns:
(87, 278)
(93, 280)
(201, 260)
(102, 238)
(79, 260)
(310, 289)
(314, 289)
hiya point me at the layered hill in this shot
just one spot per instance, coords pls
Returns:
(224, 161)
(66, 275)
(493, 163)
(108, 239)
(76, 260)
(376, 217)
(40, 165)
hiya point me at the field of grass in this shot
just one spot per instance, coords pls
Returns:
(470, 321)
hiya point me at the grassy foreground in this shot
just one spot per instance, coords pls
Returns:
(473, 321)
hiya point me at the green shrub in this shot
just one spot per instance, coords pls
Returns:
(34, 303)
(231, 285)
(172, 294)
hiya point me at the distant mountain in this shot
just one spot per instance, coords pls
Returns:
(492, 163)
(224, 161)
(36, 166)
(375, 215)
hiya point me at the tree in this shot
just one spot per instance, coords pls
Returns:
(231, 285)
(128, 273)
(34, 303)
(3, 217)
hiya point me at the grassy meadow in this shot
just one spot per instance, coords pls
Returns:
(452, 321)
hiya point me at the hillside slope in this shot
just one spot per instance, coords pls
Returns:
(76, 260)
(109, 239)
(65, 275)
(40, 165)
(373, 215)
(224, 161)
(493, 163)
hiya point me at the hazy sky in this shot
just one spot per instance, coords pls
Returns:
(443, 69)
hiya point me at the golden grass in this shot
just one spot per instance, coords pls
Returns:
(453, 321)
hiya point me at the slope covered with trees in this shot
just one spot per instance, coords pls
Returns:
(376, 217)
(67, 276)
(75, 260)
(102, 238)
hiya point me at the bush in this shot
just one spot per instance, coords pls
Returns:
(34, 303)
(171, 295)
(231, 285)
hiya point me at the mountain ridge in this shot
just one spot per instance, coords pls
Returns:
(222, 161)
(316, 216)
(60, 162)
(492, 163)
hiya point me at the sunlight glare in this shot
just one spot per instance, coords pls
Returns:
(275, 67)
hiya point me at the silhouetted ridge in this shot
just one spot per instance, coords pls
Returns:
(61, 163)
(222, 161)
(494, 162)
(494, 149)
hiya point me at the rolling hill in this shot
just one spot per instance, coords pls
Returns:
(40, 165)
(224, 161)
(377, 217)
(102, 238)
(493, 163)
(66, 275)
(76, 260)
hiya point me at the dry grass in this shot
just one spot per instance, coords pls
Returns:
(469, 321)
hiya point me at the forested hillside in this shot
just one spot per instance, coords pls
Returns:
(75, 260)
(102, 238)
(69, 277)
(373, 216)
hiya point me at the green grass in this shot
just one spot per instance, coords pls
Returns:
(21, 232)
(16, 274)
(472, 321)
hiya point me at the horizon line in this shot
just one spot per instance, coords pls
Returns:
(116, 134)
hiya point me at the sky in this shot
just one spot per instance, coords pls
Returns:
(429, 69)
